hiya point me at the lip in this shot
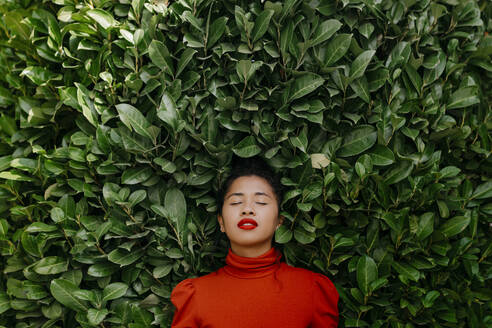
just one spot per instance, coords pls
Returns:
(242, 223)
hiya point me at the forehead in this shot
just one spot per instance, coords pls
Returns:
(250, 184)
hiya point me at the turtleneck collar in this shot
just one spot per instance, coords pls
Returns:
(253, 267)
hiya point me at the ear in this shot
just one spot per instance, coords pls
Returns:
(221, 222)
(280, 221)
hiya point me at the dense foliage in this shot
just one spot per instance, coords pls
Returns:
(119, 119)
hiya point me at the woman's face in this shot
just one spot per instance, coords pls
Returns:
(250, 215)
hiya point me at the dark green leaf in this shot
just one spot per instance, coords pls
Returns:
(247, 148)
(114, 291)
(463, 97)
(367, 272)
(63, 291)
(102, 18)
(216, 31)
(123, 258)
(360, 64)
(96, 316)
(51, 265)
(160, 56)
(454, 226)
(261, 24)
(133, 119)
(304, 85)
(337, 48)
(358, 140)
(324, 31)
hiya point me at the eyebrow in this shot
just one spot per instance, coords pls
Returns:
(258, 193)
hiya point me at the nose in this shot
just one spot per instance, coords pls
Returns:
(248, 209)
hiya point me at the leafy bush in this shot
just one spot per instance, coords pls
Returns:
(119, 120)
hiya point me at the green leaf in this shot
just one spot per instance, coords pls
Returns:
(34, 290)
(136, 197)
(114, 291)
(367, 272)
(366, 30)
(136, 175)
(247, 148)
(185, 58)
(63, 291)
(360, 64)
(166, 166)
(195, 22)
(14, 20)
(304, 85)
(454, 226)
(31, 245)
(103, 18)
(96, 316)
(358, 140)
(123, 258)
(86, 103)
(401, 171)
(324, 31)
(286, 37)
(302, 236)
(382, 156)
(100, 270)
(337, 48)
(425, 226)
(37, 227)
(162, 271)
(168, 111)
(377, 79)
(261, 24)
(4, 227)
(53, 311)
(133, 119)
(414, 78)
(463, 97)
(242, 69)
(175, 204)
(39, 75)
(216, 31)
(361, 88)
(4, 302)
(14, 176)
(283, 235)
(7, 124)
(160, 56)
(406, 270)
(300, 141)
(430, 298)
(483, 191)
(51, 265)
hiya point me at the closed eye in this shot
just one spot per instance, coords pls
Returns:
(261, 203)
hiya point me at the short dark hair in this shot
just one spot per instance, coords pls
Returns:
(242, 167)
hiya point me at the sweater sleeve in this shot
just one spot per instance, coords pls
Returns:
(325, 299)
(183, 299)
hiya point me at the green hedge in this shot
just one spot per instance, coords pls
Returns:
(119, 119)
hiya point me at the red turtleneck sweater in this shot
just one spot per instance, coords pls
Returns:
(257, 292)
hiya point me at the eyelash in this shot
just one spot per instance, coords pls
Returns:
(260, 203)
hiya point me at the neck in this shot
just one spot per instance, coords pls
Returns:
(250, 251)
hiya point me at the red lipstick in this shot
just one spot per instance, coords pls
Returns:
(247, 224)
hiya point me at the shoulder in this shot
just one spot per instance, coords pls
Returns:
(315, 280)
(191, 285)
(299, 273)
(184, 288)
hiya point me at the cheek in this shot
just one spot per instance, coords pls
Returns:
(271, 213)
(228, 214)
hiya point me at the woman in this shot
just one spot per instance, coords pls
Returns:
(255, 289)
